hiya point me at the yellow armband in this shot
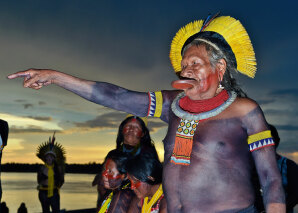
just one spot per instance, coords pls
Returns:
(155, 104)
(260, 140)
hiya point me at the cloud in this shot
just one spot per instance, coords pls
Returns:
(41, 103)
(155, 124)
(266, 101)
(105, 121)
(20, 100)
(279, 112)
(287, 127)
(113, 119)
(26, 106)
(39, 118)
(285, 92)
(30, 129)
(21, 124)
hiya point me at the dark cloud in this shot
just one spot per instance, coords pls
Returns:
(109, 120)
(39, 118)
(20, 101)
(26, 106)
(277, 112)
(113, 120)
(287, 128)
(288, 138)
(155, 124)
(41, 103)
(266, 101)
(30, 129)
(285, 93)
(288, 146)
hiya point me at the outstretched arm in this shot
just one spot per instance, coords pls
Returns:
(102, 93)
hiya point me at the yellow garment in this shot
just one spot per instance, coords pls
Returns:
(50, 180)
(146, 208)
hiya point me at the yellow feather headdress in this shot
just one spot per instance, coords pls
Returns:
(224, 29)
(52, 147)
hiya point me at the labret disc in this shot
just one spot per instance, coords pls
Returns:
(183, 84)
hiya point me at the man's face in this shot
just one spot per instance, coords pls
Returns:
(49, 159)
(141, 189)
(196, 65)
(112, 179)
(132, 132)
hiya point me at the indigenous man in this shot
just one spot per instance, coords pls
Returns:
(215, 132)
(50, 176)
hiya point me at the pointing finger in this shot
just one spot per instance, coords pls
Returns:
(19, 74)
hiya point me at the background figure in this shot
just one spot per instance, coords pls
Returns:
(22, 208)
(115, 180)
(145, 174)
(3, 208)
(134, 136)
(289, 174)
(3, 141)
(50, 177)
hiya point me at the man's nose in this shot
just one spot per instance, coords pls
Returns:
(186, 72)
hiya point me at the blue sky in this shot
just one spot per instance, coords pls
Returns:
(127, 43)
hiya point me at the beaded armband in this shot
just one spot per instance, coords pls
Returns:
(155, 104)
(260, 140)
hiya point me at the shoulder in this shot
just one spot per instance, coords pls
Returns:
(244, 105)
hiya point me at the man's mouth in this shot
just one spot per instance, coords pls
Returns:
(185, 78)
(184, 83)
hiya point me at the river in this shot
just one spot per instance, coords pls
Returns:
(76, 193)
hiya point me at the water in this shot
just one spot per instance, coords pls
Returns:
(76, 193)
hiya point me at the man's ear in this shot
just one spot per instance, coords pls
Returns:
(221, 67)
(151, 178)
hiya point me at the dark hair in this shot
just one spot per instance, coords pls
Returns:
(215, 54)
(274, 134)
(144, 165)
(120, 158)
(145, 140)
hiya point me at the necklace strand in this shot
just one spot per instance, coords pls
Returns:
(204, 115)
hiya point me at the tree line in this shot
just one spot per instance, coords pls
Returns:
(89, 168)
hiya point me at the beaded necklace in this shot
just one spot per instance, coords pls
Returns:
(188, 124)
(204, 115)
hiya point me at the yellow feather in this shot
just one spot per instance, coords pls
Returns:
(234, 34)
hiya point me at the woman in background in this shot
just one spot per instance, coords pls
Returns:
(145, 174)
(119, 195)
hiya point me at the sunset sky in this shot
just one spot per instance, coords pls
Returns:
(127, 43)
